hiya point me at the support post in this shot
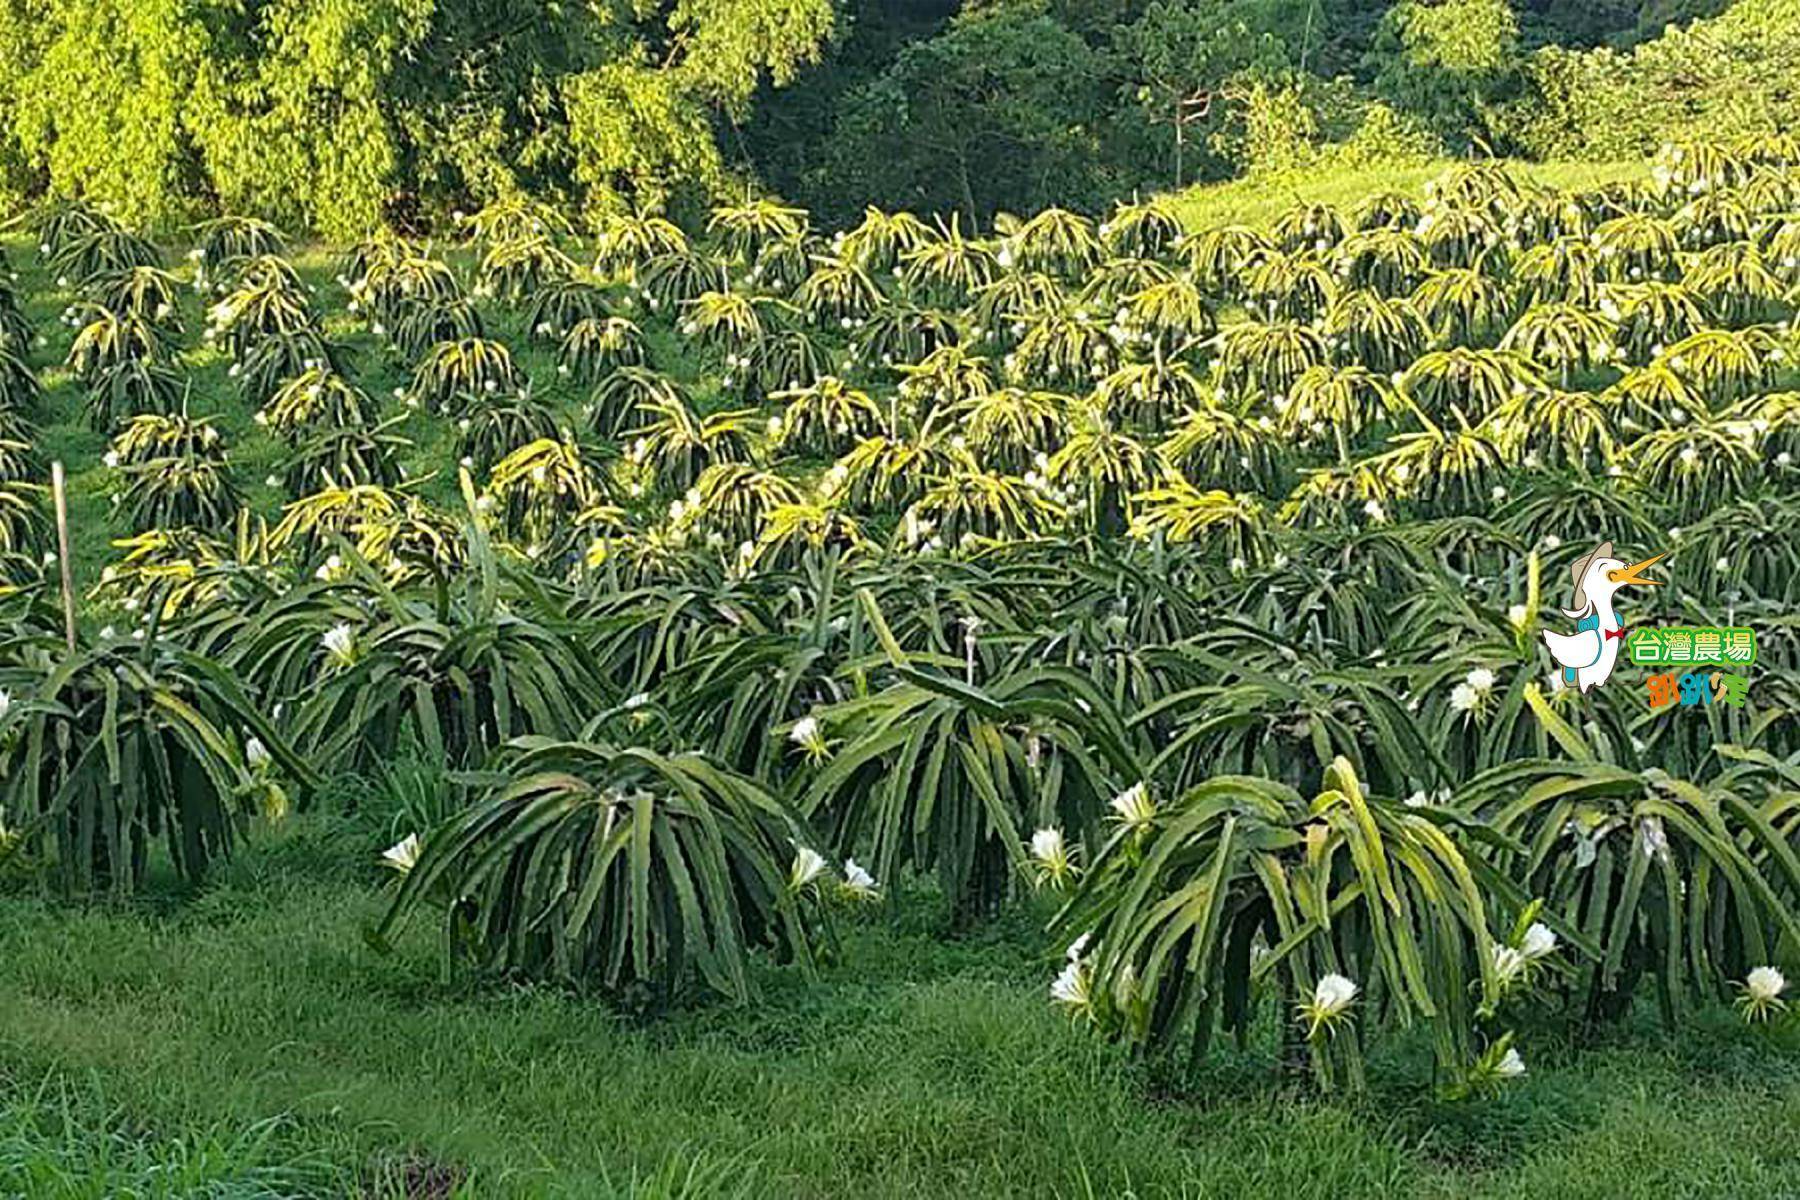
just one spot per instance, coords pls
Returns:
(62, 551)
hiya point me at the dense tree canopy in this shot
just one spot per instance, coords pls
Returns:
(864, 128)
(340, 115)
(1448, 60)
(1738, 74)
(1002, 109)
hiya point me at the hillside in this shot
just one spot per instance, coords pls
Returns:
(1258, 202)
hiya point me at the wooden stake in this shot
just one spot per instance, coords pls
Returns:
(62, 551)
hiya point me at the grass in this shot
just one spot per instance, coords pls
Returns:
(1258, 201)
(247, 1035)
(59, 1142)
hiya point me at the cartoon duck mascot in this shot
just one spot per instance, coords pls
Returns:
(1587, 655)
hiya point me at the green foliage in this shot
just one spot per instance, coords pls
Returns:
(423, 324)
(952, 536)
(315, 397)
(557, 309)
(826, 417)
(454, 684)
(347, 455)
(981, 118)
(1061, 1114)
(1346, 886)
(62, 1139)
(1729, 76)
(222, 241)
(518, 113)
(635, 870)
(323, 114)
(19, 387)
(1674, 882)
(131, 388)
(495, 427)
(452, 374)
(111, 747)
(521, 267)
(1450, 61)
(944, 776)
(1180, 50)
(538, 488)
(176, 473)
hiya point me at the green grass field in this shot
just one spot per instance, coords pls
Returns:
(248, 1041)
(1257, 202)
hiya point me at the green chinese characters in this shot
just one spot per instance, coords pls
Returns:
(1689, 645)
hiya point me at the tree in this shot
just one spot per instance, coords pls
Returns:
(1448, 61)
(94, 103)
(642, 122)
(23, 34)
(338, 114)
(1001, 111)
(790, 127)
(1183, 54)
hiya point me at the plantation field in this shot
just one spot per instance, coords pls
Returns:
(917, 1067)
(257, 453)
(736, 708)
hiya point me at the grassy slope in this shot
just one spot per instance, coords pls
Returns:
(255, 453)
(917, 1067)
(1257, 202)
(60, 1141)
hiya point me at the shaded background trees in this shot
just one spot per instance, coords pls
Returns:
(1069, 102)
